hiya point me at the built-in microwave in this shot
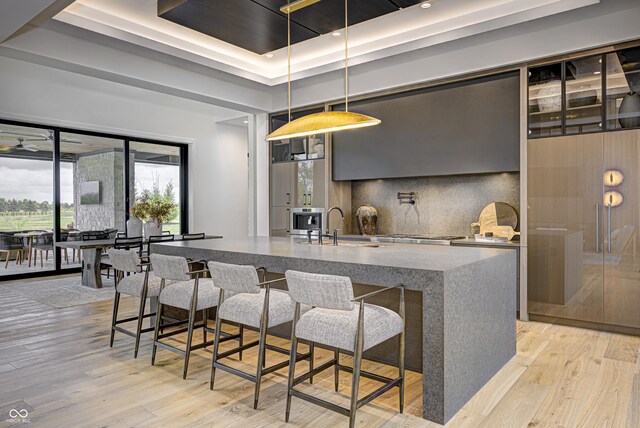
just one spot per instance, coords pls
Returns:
(305, 219)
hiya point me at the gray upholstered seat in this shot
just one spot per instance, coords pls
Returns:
(185, 289)
(334, 319)
(180, 293)
(125, 261)
(246, 308)
(337, 328)
(337, 322)
(133, 284)
(246, 303)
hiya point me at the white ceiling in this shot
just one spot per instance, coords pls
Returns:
(409, 29)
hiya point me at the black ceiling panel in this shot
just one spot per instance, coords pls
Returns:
(239, 22)
(259, 26)
(328, 15)
(406, 3)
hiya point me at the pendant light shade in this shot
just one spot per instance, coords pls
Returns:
(320, 123)
(326, 121)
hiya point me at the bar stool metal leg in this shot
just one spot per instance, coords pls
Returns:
(262, 347)
(241, 341)
(143, 303)
(336, 368)
(292, 359)
(216, 343)
(192, 321)
(312, 348)
(157, 329)
(205, 315)
(357, 362)
(116, 303)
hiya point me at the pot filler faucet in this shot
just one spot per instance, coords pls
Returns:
(334, 236)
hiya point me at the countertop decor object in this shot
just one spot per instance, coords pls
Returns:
(326, 121)
(498, 218)
(629, 111)
(134, 227)
(367, 218)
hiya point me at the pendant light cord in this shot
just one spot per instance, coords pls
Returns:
(346, 55)
(289, 62)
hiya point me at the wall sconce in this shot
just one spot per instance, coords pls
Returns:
(613, 198)
(613, 178)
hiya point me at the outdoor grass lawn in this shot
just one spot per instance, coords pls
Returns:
(34, 221)
(12, 223)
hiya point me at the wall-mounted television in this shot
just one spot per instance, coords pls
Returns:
(90, 193)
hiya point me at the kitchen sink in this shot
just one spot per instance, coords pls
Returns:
(345, 244)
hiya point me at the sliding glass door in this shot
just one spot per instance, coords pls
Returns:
(26, 200)
(56, 183)
(92, 188)
(157, 171)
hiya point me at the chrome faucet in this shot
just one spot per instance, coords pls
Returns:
(335, 231)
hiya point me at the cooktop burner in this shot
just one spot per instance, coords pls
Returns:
(432, 237)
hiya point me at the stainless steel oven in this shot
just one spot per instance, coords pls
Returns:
(304, 219)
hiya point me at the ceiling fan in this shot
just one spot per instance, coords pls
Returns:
(32, 137)
(20, 146)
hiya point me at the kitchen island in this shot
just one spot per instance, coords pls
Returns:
(466, 297)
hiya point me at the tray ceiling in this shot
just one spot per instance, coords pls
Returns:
(377, 34)
(260, 27)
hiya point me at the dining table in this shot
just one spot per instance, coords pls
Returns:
(92, 252)
(29, 236)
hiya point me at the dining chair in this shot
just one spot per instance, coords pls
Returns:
(10, 244)
(129, 244)
(158, 238)
(43, 242)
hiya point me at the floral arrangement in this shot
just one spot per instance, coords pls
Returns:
(158, 207)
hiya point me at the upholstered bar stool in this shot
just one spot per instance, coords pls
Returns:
(184, 289)
(336, 321)
(139, 282)
(247, 301)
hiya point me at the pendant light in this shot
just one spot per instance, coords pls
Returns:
(327, 121)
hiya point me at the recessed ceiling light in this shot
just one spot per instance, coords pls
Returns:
(336, 33)
(245, 121)
(425, 5)
(269, 55)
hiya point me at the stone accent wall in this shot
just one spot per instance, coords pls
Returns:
(107, 168)
(444, 205)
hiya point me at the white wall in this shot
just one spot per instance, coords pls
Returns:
(39, 94)
(220, 181)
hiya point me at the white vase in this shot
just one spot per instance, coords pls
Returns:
(134, 227)
(151, 228)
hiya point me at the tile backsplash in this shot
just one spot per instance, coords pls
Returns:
(444, 205)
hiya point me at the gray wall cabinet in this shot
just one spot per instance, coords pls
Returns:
(464, 128)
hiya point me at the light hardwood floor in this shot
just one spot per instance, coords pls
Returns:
(57, 364)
